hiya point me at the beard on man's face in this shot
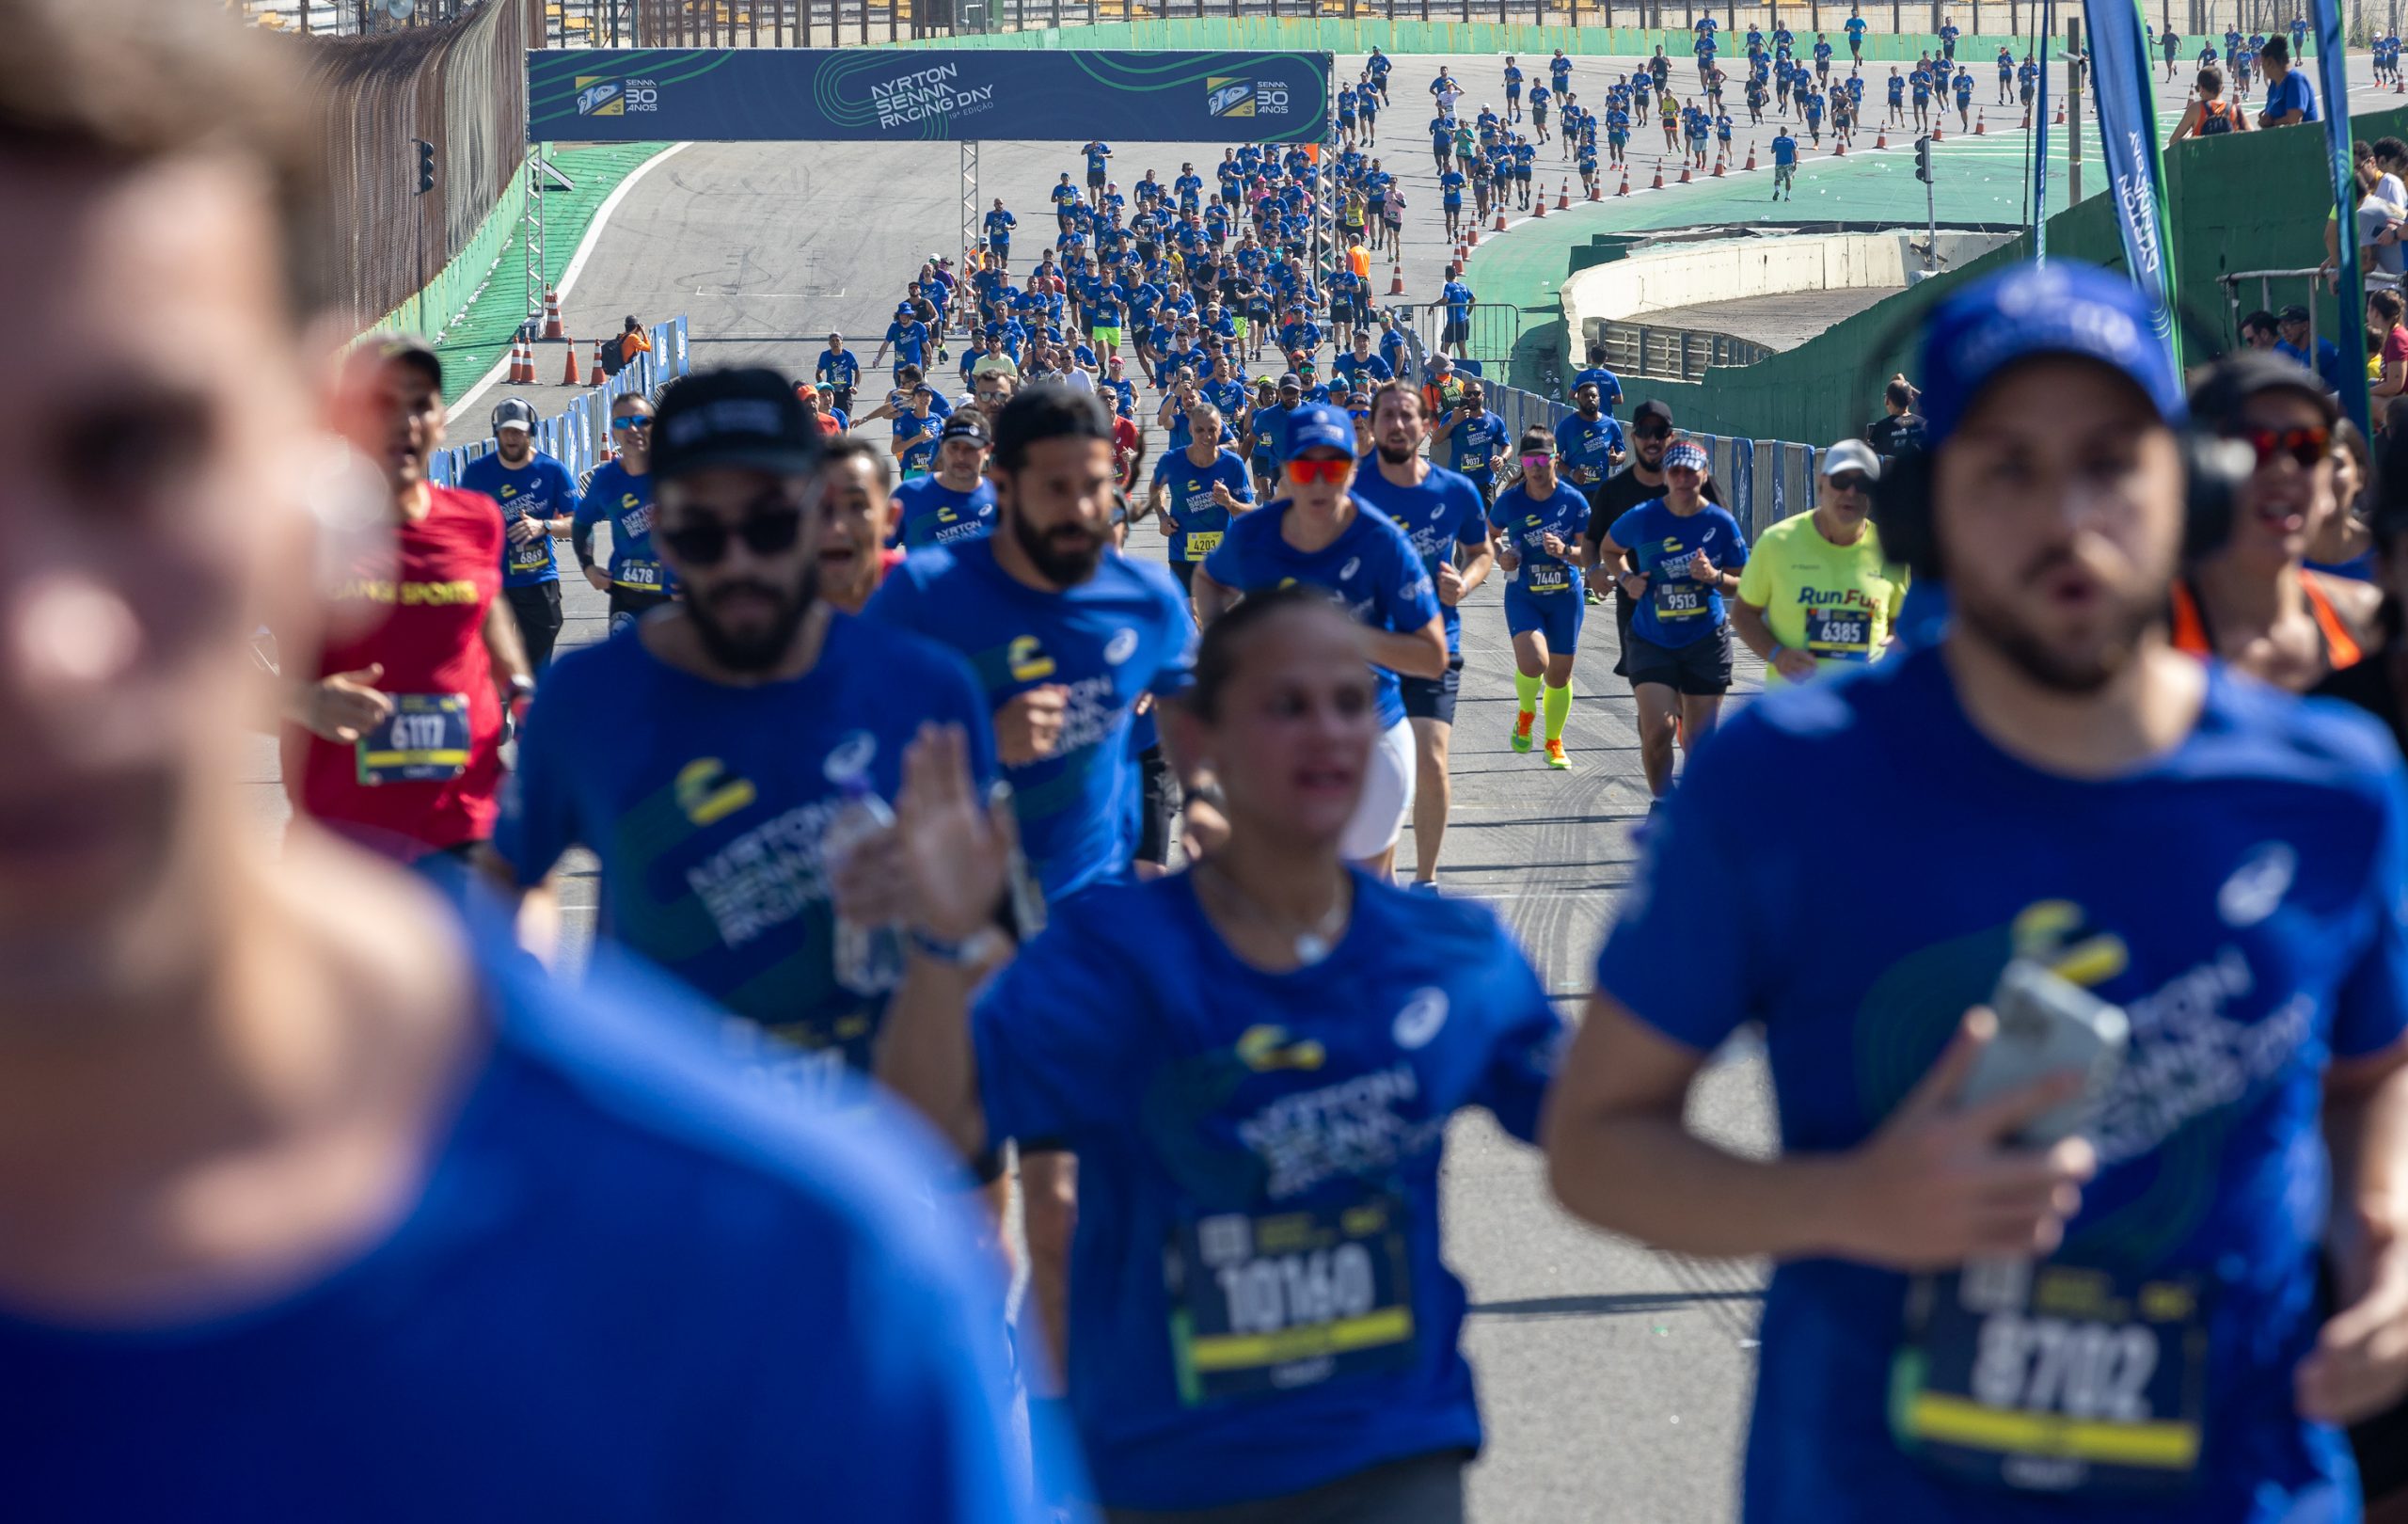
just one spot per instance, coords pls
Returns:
(1999, 622)
(760, 649)
(1065, 555)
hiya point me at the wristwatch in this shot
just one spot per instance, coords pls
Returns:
(987, 945)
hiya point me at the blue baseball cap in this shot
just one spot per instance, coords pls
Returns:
(2065, 308)
(1318, 426)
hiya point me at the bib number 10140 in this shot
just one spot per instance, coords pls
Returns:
(1270, 1303)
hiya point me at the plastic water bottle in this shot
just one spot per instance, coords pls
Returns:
(868, 959)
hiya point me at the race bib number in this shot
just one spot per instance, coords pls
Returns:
(643, 575)
(1677, 599)
(2052, 1378)
(425, 740)
(1839, 634)
(1270, 1303)
(1201, 543)
(534, 555)
(1547, 576)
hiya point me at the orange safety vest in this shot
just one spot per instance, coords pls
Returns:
(1360, 261)
(2341, 648)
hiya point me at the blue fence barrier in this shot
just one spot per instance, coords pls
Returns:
(578, 437)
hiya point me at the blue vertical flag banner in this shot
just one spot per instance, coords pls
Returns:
(2040, 145)
(2126, 101)
(2350, 331)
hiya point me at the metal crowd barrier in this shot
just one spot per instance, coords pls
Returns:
(1761, 480)
(578, 437)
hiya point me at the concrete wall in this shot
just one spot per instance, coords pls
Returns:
(1691, 275)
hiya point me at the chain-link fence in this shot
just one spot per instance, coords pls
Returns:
(1887, 22)
(459, 86)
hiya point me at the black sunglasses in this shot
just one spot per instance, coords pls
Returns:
(1851, 482)
(1665, 432)
(763, 534)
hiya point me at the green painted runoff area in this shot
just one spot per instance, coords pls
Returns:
(474, 306)
(2255, 200)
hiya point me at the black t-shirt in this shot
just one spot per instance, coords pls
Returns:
(1892, 435)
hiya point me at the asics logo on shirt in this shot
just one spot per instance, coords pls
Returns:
(1121, 647)
(1353, 564)
(2257, 887)
(1420, 1019)
(848, 757)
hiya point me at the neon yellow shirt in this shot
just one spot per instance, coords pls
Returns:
(1835, 602)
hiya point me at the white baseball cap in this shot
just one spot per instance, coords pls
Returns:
(1852, 455)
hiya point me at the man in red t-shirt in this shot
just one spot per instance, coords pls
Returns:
(394, 738)
(1127, 450)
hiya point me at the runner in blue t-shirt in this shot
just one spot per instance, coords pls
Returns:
(1196, 496)
(618, 497)
(1536, 525)
(999, 225)
(1854, 27)
(841, 369)
(2058, 1295)
(1682, 554)
(710, 831)
(538, 499)
(1316, 532)
(1784, 165)
(953, 501)
(1472, 436)
(1258, 1102)
(1590, 442)
(1513, 90)
(1443, 514)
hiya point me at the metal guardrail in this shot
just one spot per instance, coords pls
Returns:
(2301, 286)
(1761, 481)
(577, 436)
(1674, 354)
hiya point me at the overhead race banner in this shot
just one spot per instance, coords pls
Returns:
(871, 95)
(2350, 332)
(2119, 73)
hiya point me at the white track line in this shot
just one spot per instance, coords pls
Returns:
(575, 266)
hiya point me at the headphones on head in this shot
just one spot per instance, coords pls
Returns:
(2214, 471)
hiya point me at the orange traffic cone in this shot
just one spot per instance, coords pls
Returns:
(1626, 181)
(1596, 192)
(1659, 176)
(522, 361)
(1500, 221)
(568, 375)
(2061, 113)
(1839, 148)
(596, 378)
(1563, 194)
(1882, 140)
(1685, 171)
(1471, 239)
(552, 314)
(1538, 204)
(1751, 158)
(1980, 124)
(1396, 277)
(1935, 133)
(1719, 160)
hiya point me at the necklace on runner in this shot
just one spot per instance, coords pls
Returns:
(1313, 941)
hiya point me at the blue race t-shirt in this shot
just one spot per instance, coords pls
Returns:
(1443, 512)
(2238, 896)
(1472, 445)
(623, 503)
(1238, 1135)
(1199, 520)
(1123, 632)
(1371, 569)
(628, 1287)
(1676, 609)
(2293, 93)
(839, 370)
(707, 804)
(542, 488)
(1589, 446)
(1527, 521)
(930, 513)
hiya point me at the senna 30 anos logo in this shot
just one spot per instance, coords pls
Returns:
(1231, 95)
(598, 95)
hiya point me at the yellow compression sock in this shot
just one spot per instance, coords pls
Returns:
(1559, 709)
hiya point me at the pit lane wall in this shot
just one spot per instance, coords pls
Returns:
(2244, 202)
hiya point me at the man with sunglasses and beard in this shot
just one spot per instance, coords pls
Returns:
(2072, 796)
(760, 704)
(1639, 480)
(1068, 640)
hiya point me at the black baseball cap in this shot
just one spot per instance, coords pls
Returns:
(965, 425)
(740, 417)
(1652, 408)
(2293, 313)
